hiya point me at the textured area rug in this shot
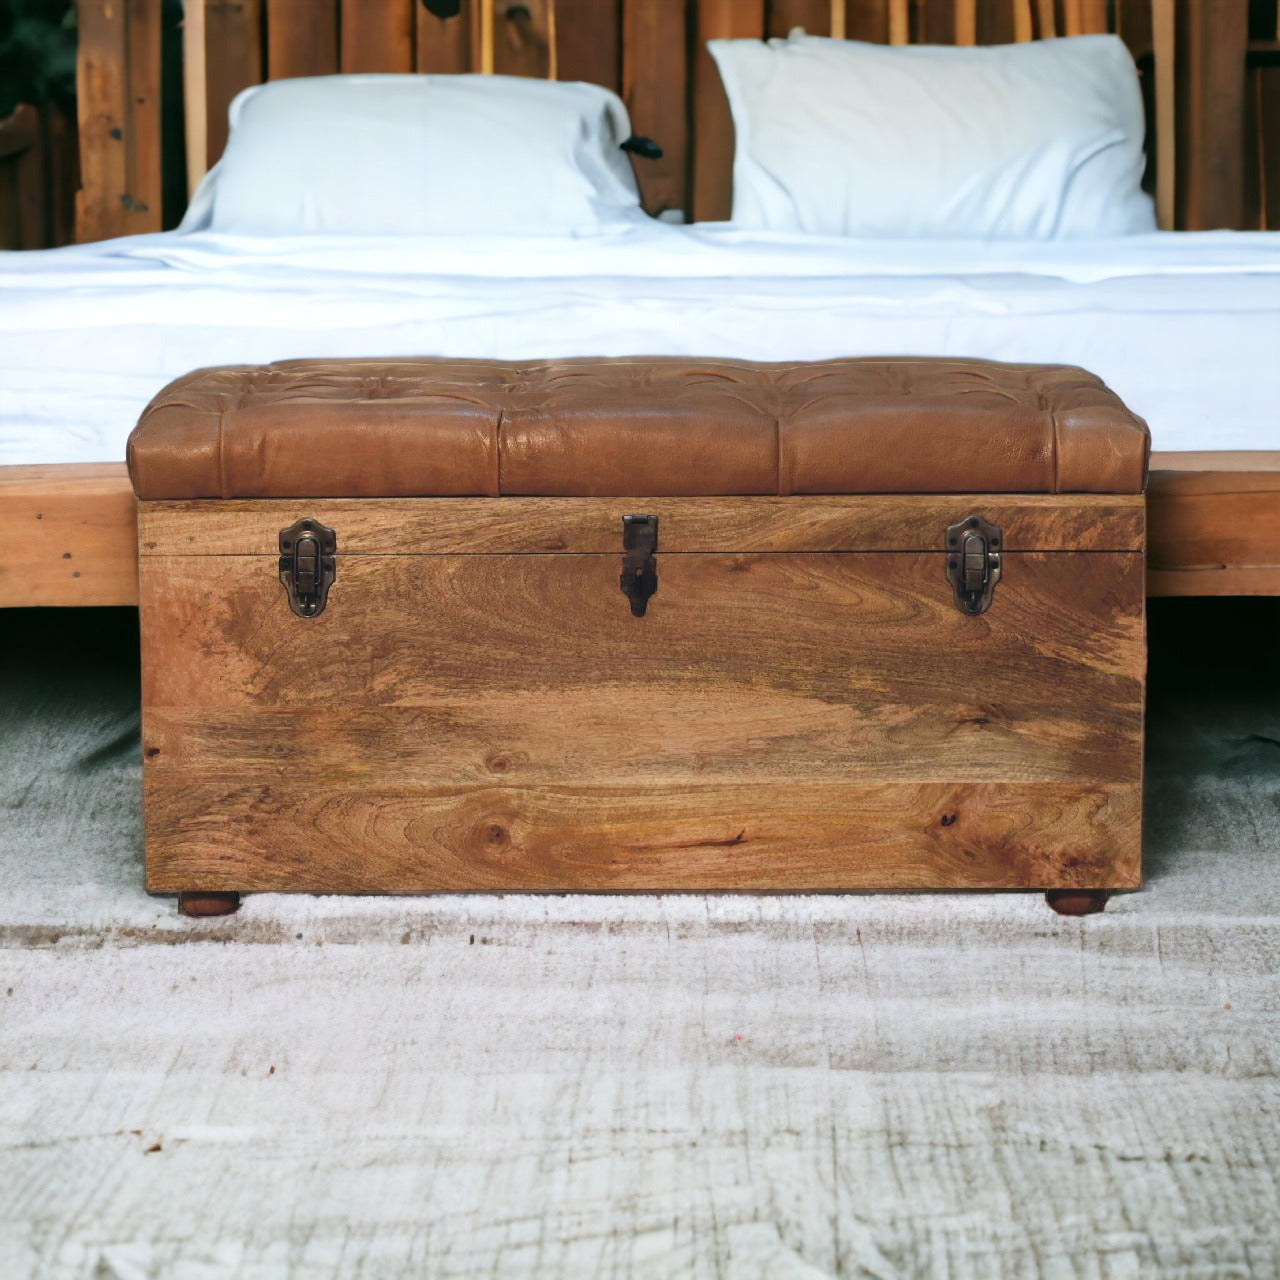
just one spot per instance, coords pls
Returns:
(881, 1086)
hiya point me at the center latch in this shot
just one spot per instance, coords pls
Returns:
(307, 566)
(973, 562)
(639, 566)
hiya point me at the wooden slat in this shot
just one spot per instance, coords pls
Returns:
(377, 36)
(589, 41)
(1269, 148)
(1164, 48)
(101, 89)
(68, 534)
(524, 42)
(143, 195)
(1046, 21)
(1087, 17)
(713, 125)
(23, 187)
(1133, 23)
(302, 38)
(233, 61)
(585, 525)
(899, 22)
(812, 16)
(448, 46)
(935, 21)
(1212, 40)
(1213, 530)
(1217, 581)
(654, 87)
(195, 108)
(1023, 27)
(867, 20)
(966, 31)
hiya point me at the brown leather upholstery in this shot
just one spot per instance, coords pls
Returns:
(637, 426)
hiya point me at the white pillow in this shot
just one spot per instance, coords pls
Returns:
(1041, 140)
(415, 154)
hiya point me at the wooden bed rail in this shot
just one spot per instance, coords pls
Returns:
(1212, 84)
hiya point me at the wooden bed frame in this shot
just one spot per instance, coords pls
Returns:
(68, 531)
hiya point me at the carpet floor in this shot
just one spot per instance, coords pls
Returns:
(735, 1086)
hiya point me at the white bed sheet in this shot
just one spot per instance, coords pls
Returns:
(1185, 327)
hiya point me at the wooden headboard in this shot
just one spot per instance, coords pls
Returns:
(1214, 119)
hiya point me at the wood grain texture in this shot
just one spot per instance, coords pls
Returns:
(1083, 522)
(302, 38)
(377, 36)
(811, 16)
(524, 38)
(210, 836)
(655, 87)
(195, 110)
(776, 720)
(588, 41)
(232, 61)
(23, 187)
(447, 46)
(141, 201)
(712, 124)
(102, 108)
(68, 534)
(1164, 44)
(1212, 38)
(1209, 523)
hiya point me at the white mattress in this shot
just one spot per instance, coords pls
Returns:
(1185, 327)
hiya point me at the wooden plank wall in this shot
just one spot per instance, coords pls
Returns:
(1215, 106)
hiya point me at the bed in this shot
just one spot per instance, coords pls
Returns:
(1183, 326)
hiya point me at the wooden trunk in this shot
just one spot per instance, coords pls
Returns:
(802, 706)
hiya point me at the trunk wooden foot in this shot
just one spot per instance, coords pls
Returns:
(1077, 902)
(208, 904)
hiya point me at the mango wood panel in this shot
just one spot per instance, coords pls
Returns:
(783, 721)
(255, 836)
(67, 536)
(409, 630)
(555, 737)
(469, 525)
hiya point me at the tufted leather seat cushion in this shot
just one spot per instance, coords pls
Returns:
(635, 426)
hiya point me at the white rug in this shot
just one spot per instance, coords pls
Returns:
(938, 1086)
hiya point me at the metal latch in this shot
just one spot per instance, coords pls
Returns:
(973, 562)
(639, 568)
(307, 566)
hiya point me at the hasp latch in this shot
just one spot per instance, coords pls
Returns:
(639, 567)
(973, 562)
(307, 566)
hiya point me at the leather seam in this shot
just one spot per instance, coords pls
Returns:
(1055, 450)
(222, 454)
(497, 453)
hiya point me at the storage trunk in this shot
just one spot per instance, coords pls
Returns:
(795, 691)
